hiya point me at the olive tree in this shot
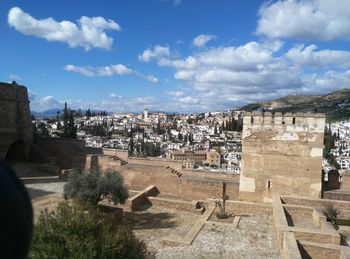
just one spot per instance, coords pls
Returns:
(93, 186)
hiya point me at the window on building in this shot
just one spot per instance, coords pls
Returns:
(268, 184)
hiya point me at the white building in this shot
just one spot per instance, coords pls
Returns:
(344, 162)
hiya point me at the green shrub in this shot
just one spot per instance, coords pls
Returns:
(74, 232)
(93, 186)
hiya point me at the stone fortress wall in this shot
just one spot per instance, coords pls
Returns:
(167, 175)
(15, 124)
(281, 153)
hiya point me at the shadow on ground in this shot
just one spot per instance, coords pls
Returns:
(146, 220)
(36, 193)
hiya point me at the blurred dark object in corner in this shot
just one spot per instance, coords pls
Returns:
(16, 215)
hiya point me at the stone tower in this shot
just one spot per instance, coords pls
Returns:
(281, 153)
(15, 119)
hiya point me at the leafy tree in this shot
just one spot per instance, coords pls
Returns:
(74, 232)
(42, 128)
(69, 130)
(94, 186)
(332, 161)
(151, 149)
(88, 113)
(131, 146)
(329, 140)
(190, 138)
(159, 129)
(58, 120)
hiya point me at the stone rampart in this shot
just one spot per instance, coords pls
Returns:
(15, 119)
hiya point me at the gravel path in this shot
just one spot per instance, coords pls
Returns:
(253, 239)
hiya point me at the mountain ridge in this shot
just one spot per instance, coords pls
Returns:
(336, 105)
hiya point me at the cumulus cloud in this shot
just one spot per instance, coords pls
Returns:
(114, 102)
(231, 76)
(111, 70)
(87, 32)
(202, 39)
(301, 19)
(309, 56)
(156, 53)
(324, 83)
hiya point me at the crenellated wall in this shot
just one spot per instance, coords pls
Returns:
(15, 119)
(283, 153)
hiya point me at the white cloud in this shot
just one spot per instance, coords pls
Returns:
(311, 57)
(45, 103)
(175, 93)
(301, 19)
(155, 53)
(118, 69)
(227, 77)
(87, 33)
(111, 70)
(31, 95)
(113, 103)
(114, 95)
(14, 77)
(324, 83)
(188, 100)
(202, 39)
(152, 79)
(86, 71)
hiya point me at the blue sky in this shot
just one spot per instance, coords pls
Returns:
(174, 55)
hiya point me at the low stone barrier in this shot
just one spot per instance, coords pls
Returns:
(291, 250)
(324, 237)
(191, 235)
(141, 199)
(318, 251)
(315, 203)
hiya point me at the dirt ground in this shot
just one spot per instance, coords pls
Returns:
(157, 223)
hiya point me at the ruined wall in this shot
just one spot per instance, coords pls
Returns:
(281, 153)
(15, 119)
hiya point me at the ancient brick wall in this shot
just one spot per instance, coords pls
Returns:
(15, 119)
(281, 153)
(140, 173)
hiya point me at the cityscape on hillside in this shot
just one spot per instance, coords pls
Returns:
(170, 129)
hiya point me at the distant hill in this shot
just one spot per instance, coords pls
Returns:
(53, 113)
(335, 105)
(47, 113)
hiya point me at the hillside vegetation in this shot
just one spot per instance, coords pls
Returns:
(335, 105)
